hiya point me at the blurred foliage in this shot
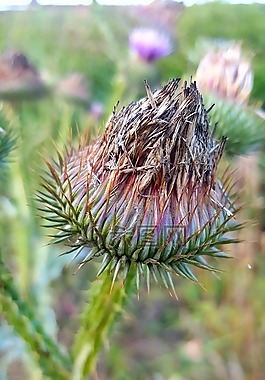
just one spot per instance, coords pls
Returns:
(7, 143)
(217, 333)
(77, 41)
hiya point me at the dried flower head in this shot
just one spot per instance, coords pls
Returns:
(224, 72)
(19, 80)
(74, 87)
(145, 195)
(149, 44)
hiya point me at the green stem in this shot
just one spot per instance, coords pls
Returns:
(44, 350)
(106, 301)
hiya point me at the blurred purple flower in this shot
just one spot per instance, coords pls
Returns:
(149, 44)
(96, 110)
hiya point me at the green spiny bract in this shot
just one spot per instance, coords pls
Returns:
(144, 196)
(241, 124)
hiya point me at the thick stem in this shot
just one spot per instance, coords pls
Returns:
(106, 301)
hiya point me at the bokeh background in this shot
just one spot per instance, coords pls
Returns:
(80, 63)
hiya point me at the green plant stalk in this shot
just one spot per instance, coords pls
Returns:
(106, 302)
(23, 228)
(19, 224)
(45, 351)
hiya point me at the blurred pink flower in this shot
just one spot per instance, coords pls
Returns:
(149, 44)
(96, 110)
(225, 73)
(193, 349)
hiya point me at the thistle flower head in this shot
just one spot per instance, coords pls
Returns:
(74, 87)
(145, 194)
(149, 44)
(224, 72)
(225, 78)
(19, 80)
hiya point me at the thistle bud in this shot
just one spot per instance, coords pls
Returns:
(74, 88)
(144, 196)
(225, 78)
(226, 74)
(19, 80)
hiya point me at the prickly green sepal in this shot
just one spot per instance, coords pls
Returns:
(243, 127)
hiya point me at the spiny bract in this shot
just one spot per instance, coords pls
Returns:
(144, 196)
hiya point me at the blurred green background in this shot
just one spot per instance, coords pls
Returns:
(216, 331)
